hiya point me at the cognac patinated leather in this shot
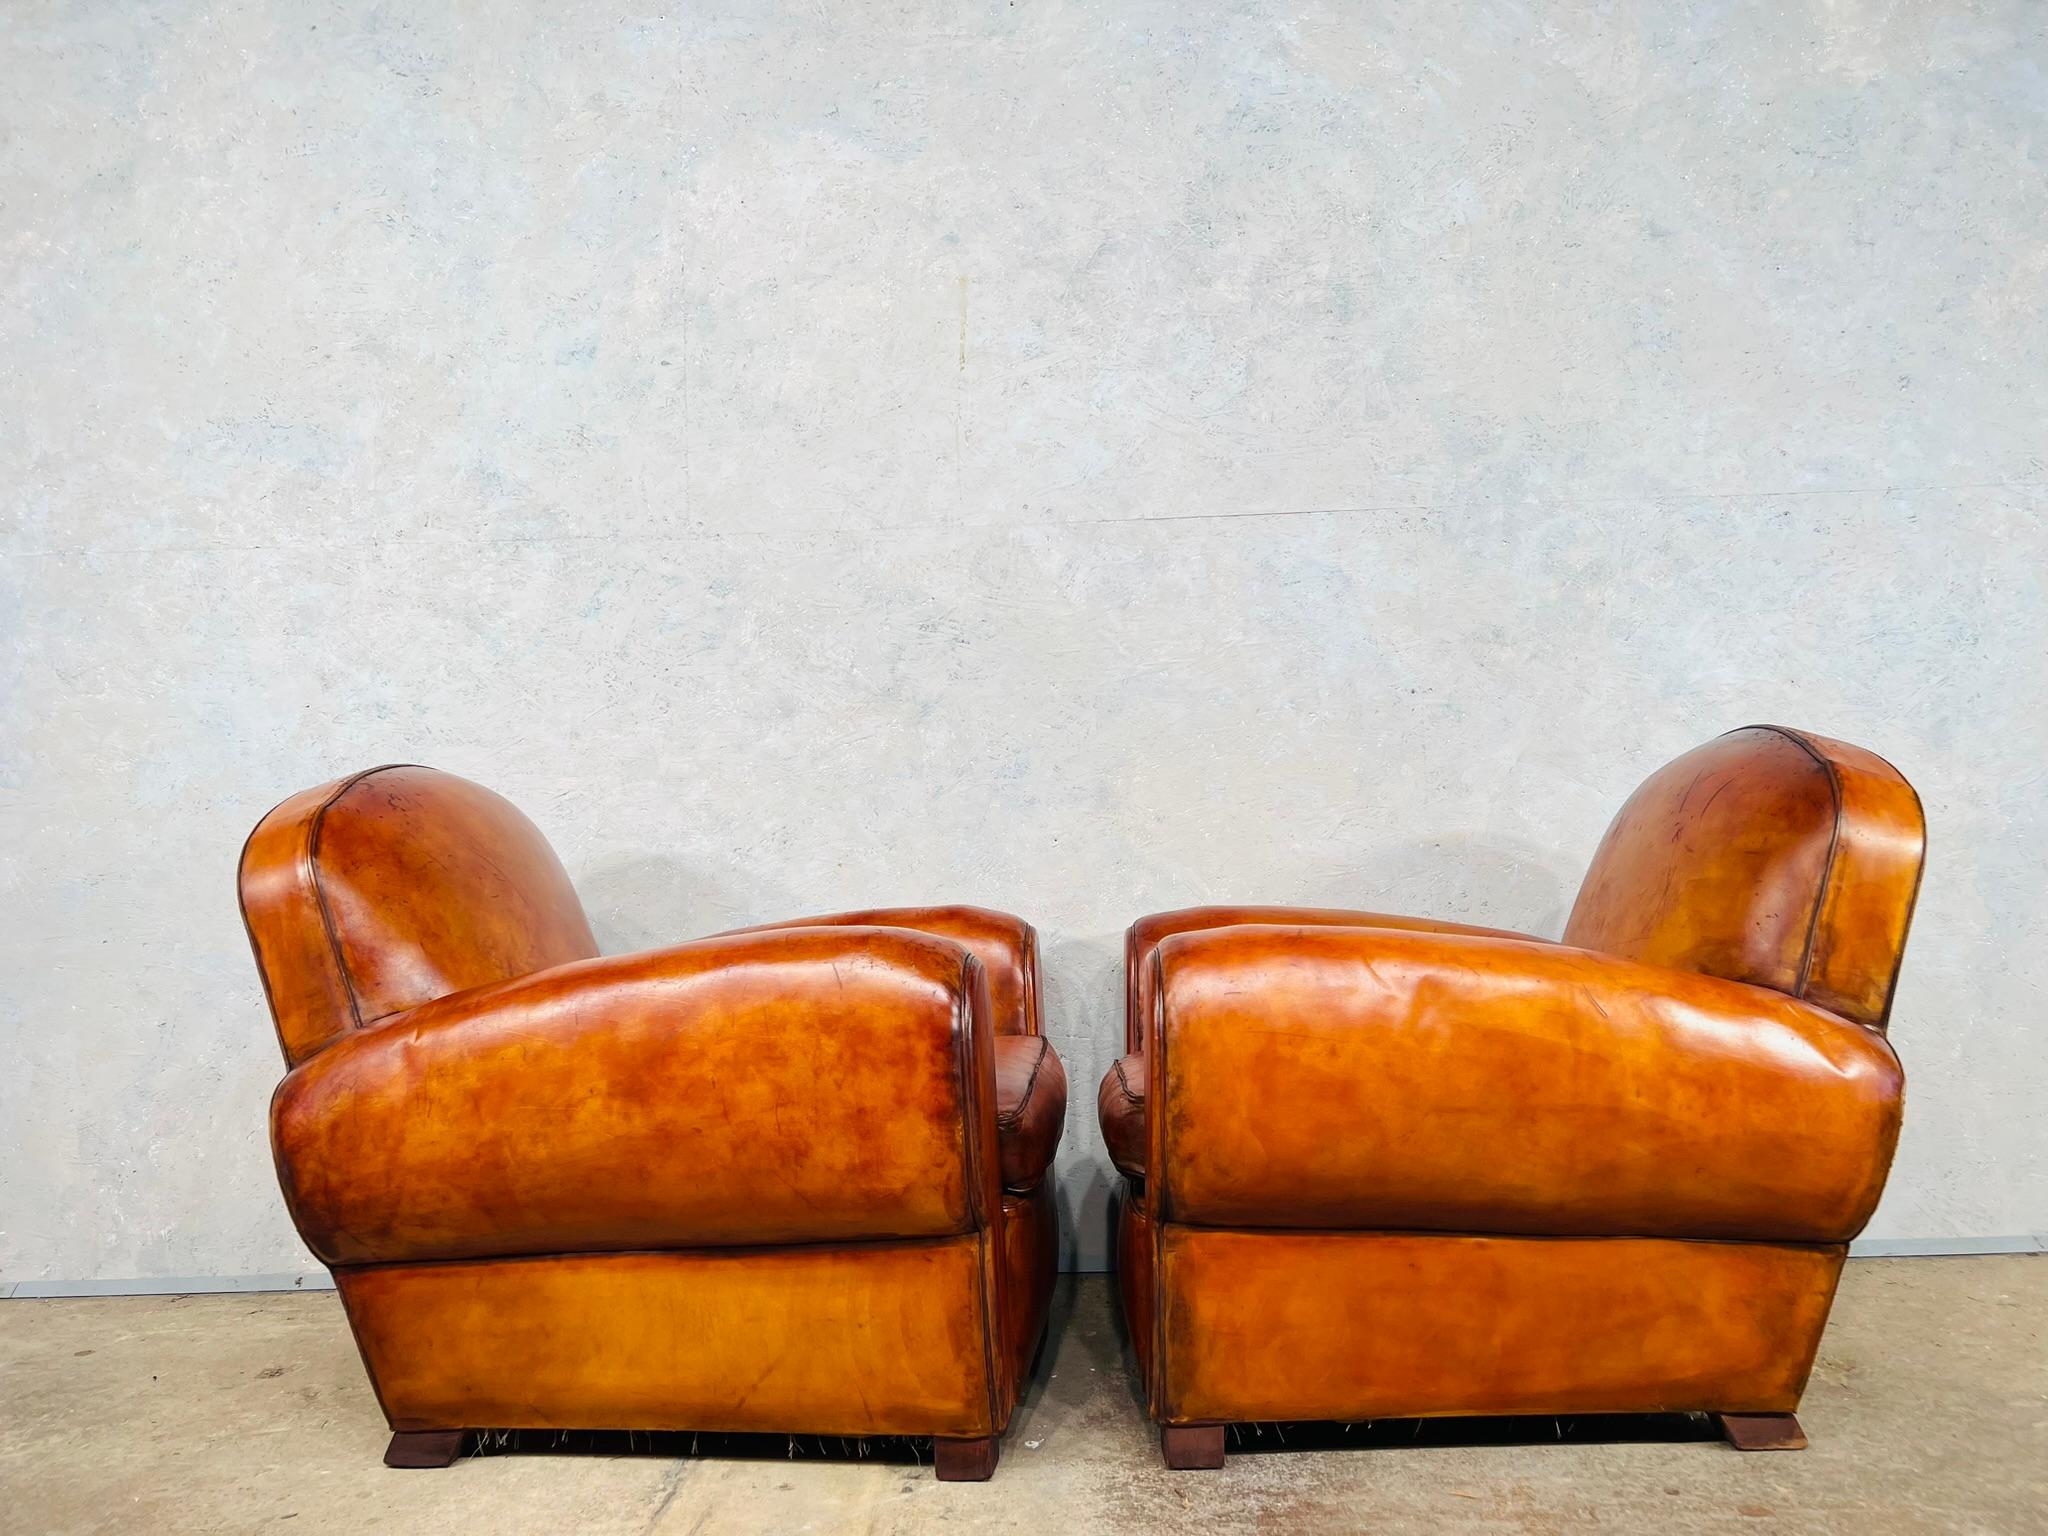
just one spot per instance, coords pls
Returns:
(785, 1179)
(1385, 1167)
(1368, 1078)
(1120, 1106)
(1007, 948)
(1031, 1108)
(1144, 936)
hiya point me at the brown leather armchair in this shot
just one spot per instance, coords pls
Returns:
(791, 1179)
(1381, 1167)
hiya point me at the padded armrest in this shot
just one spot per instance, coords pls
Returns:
(779, 1087)
(1006, 946)
(1120, 1107)
(1144, 936)
(1031, 1108)
(1365, 1078)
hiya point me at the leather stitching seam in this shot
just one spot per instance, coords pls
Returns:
(1123, 1084)
(1827, 871)
(348, 982)
(1010, 1119)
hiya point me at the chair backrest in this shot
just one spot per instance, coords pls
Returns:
(1767, 856)
(376, 893)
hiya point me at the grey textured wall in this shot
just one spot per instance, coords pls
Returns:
(1082, 459)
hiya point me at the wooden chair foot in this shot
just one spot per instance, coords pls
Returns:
(1763, 1431)
(965, 1461)
(1192, 1447)
(423, 1448)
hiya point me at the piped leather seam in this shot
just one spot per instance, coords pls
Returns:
(1123, 1083)
(348, 983)
(1009, 1120)
(987, 1222)
(1473, 1234)
(1827, 872)
(733, 1251)
(1034, 1015)
(1157, 1144)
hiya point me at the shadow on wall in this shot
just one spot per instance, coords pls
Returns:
(1489, 884)
(652, 903)
(1083, 977)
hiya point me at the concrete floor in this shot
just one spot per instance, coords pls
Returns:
(1928, 1412)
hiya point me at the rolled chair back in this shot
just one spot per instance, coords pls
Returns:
(1767, 856)
(376, 893)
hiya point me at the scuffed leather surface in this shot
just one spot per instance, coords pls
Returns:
(784, 1087)
(1006, 946)
(1344, 1325)
(1031, 1108)
(1370, 1078)
(1120, 1107)
(876, 1338)
(1143, 937)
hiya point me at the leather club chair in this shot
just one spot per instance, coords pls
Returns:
(1382, 1167)
(786, 1180)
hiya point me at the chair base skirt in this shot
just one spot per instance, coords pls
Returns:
(1359, 1325)
(874, 1339)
